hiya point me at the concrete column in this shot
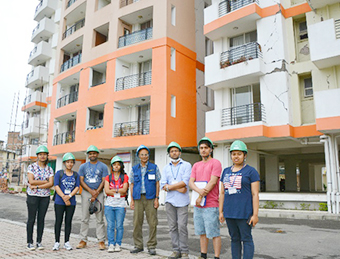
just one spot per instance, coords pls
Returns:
(290, 172)
(304, 176)
(161, 158)
(253, 159)
(59, 163)
(318, 177)
(272, 174)
(312, 186)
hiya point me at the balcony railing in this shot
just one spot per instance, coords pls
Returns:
(243, 114)
(33, 51)
(126, 2)
(337, 28)
(64, 138)
(67, 99)
(39, 5)
(133, 81)
(35, 29)
(135, 37)
(228, 6)
(29, 75)
(69, 3)
(73, 28)
(70, 63)
(132, 128)
(27, 100)
(240, 54)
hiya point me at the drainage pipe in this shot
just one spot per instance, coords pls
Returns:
(324, 139)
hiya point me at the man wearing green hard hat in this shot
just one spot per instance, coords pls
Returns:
(92, 178)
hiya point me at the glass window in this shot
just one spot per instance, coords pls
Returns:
(308, 87)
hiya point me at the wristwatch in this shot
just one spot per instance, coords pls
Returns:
(157, 197)
(37, 187)
(70, 195)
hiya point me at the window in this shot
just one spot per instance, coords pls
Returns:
(146, 25)
(243, 39)
(173, 106)
(173, 15)
(101, 34)
(209, 47)
(308, 87)
(303, 33)
(98, 75)
(103, 3)
(173, 59)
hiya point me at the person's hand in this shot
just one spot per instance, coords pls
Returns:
(165, 187)
(132, 204)
(253, 220)
(202, 192)
(156, 203)
(33, 187)
(221, 217)
(65, 198)
(199, 200)
(67, 203)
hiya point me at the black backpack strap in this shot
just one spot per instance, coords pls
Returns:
(75, 175)
(110, 178)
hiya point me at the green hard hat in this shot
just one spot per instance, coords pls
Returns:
(174, 144)
(92, 148)
(205, 139)
(116, 159)
(238, 145)
(42, 149)
(68, 156)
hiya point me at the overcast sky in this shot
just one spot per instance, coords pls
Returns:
(17, 24)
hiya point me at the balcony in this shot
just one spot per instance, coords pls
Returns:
(33, 127)
(70, 2)
(319, 4)
(43, 31)
(135, 37)
(64, 138)
(240, 65)
(67, 99)
(133, 81)
(40, 54)
(242, 17)
(127, 2)
(70, 63)
(35, 102)
(218, 120)
(324, 42)
(45, 8)
(132, 128)
(37, 77)
(78, 25)
(29, 150)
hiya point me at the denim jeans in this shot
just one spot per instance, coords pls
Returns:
(115, 228)
(240, 232)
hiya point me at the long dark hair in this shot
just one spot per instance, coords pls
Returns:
(46, 162)
(121, 170)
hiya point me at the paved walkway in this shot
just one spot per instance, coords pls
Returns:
(13, 245)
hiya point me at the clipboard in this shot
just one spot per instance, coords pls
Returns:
(194, 194)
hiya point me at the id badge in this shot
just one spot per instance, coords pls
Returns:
(151, 176)
(117, 195)
(92, 180)
(232, 190)
(67, 191)
(174, 182)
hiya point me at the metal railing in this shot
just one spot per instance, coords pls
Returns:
(69, 3)
(64, 138)
(240, 54)
(29, 75)
(27, 100)
(132, 128)
(67, 99)
(135, 37)
(39, 5)
(126, 2)
(337, 28)
(243, 114)
(35, 29)
(228, 6)
(73, 28)
(33, 51)
(133, 81)
(70, 63)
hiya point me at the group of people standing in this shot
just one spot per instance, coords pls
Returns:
(231, 196)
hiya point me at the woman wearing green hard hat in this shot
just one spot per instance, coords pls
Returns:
(116, 189)
(40, 180)
(239, 200)
(66, 185)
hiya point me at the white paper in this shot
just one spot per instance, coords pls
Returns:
(194, 194)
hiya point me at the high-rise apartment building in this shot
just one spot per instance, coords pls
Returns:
(118, 74)
(275, 74)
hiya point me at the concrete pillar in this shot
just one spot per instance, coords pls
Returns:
(272, 174)
(290, 173)
(318, 177)
(59, 163)
(304, 176)
(253, 159)
(161, 159)
(312, 185)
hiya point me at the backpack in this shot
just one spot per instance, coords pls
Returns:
(121, 177)
(61, 174)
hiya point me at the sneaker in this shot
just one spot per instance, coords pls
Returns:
(67, 246)
(117, 248)
(175, 255)
(40, 246)
(56, 246)
(30, 247)
(136, 250)
(111, 248)
(82, 244)
(185, 256)
(152, 251)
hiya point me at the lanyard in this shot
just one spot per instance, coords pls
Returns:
(95, 169)
(177, 171)
(232, 185)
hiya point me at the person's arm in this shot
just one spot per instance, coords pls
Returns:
(211, 184)
(108, 191)
(47, 185)
(132, 202)
(85, 186)
(156, 201)
(33, 182)
(256, 203)
(123, 190)
(221, 202)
